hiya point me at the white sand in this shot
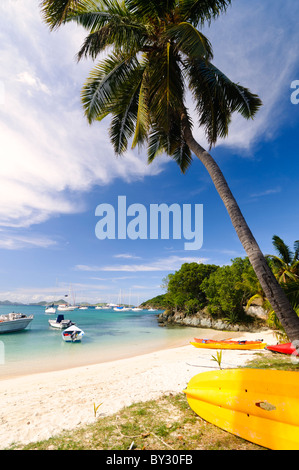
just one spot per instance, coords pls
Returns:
(38, 406)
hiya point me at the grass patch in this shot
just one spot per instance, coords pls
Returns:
(164, 424)
(273, 361)
(167, 423)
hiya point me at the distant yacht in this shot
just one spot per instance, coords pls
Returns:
(50, 309)
(118, 308)
(66, 307)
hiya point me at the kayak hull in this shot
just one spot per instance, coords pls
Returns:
(260, 406)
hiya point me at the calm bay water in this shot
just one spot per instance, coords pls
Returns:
(109, 335)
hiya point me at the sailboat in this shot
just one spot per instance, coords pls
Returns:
(137, 309)
(119, 307)
(50, 310)
(67, 307)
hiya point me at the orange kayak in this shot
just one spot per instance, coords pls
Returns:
(228, 344)
(227, 341)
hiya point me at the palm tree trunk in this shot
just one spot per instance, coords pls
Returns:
(271, 288)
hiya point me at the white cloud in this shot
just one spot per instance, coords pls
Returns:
(126, 256)
(170, 263)
(255, 44)
(49, 154)
(33, 82)
(266, 192)
(16, 242)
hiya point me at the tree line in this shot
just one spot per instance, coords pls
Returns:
(226, 291)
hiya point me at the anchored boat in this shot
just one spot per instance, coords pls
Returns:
(60, 322)
(72, 334)
(11, 322)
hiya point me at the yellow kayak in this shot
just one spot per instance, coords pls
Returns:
(207, 344)
(260, 406)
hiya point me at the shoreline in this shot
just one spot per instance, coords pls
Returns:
(38, 406)
(81, 357)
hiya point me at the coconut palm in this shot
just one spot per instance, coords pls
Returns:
(286, 264)
(157, 53)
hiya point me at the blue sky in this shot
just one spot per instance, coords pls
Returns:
(55, 169)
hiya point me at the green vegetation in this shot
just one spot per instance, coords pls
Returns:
(225, 292)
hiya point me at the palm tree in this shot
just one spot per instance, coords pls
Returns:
(156, 54)
(286, 265)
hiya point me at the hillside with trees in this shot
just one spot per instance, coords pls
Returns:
(225, 292)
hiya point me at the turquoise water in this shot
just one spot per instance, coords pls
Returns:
(108, 335)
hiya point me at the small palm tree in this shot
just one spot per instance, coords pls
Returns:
(286, 264)
(157, 54)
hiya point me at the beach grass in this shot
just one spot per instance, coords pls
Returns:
(167, 423)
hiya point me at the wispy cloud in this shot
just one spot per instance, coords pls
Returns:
(170, 263)
(32, 82)
(48, 151)
(17, 242)
(126, 256)
(267, 192)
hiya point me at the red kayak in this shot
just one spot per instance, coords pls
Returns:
(286, 348)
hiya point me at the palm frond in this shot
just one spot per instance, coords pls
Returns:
(123, 122)
(202, 11)
(166, 85)
(143, 116)
(217, 98)
(56, 12)
(126, 38)
(101, 87)
(151, 9)
(283, 250)
(189, 40)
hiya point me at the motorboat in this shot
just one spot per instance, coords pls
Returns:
(50, 310)
(72, 334)
(11, 322)
(83, 307)
(60, 322)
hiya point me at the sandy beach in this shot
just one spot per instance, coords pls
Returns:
(38, 406)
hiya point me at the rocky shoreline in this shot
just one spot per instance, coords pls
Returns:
(203, 320)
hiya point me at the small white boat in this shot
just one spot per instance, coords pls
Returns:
(118, 308)
(72, 334)
(136, 309)
(11, 322)
(60, 323)
(83, 307)
(66, 308)
(50, 310)
(98, 307)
